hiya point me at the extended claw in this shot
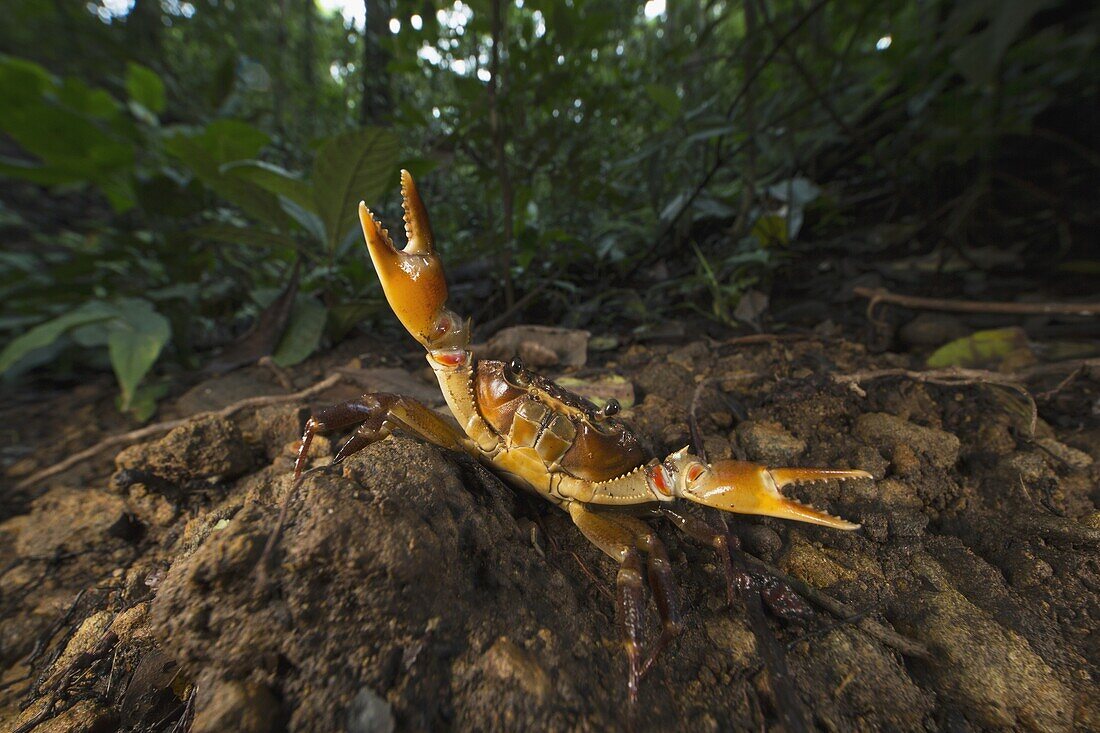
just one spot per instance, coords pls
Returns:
(413, 278)
(749, 488)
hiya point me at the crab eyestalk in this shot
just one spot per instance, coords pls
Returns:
(412, 278)
(749, 488)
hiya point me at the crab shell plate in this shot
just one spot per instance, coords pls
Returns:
(569, 433)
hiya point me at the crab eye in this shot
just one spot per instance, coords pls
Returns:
(516, 373)
(612, 407)
(695, 471)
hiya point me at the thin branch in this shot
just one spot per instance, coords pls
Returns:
(915, 302)
(162, 427)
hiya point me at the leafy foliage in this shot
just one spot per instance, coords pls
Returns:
(162, 170)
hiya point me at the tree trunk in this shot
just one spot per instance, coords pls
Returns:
(499, 32)
(374, 106)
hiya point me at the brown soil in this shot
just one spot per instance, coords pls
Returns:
(413, 591)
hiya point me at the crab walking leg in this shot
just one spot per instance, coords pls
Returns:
(780, 598)
(376, 414)
(621, 538)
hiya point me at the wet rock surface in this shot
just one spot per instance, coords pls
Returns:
(412, 590)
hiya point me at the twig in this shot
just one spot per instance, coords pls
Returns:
(881, 295)
(162, 427)
(950, 377)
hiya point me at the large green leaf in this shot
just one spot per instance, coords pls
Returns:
(134, 342)
(46, 333)
(303, 332)
(273, 178)
(145, 87)
(248, 236)
(350, 167)
(222, 142)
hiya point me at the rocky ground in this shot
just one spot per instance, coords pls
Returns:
(413, 591)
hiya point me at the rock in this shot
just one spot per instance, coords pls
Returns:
(151, 508)
(689, 356)
(929, 330)
(732, 634)
(825, 566)
(68, 519)
(209, 448)
(272, 427)
(370, 713)
(761, 541)
(131, 625)
(990, 673)
(903, 438)
(86, 638)
(508, 661)
(769, 443)
(895, 494)
(232, 705)
(86, 716)
(1070, 456)
(862, 675)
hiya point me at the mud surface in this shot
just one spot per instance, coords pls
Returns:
(413, 591)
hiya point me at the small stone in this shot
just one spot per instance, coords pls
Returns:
(131, 625)
(508, 661)
(68, 519)
(731, 634)
(893, 434)
(86, 638)
(760, 540)
(1070, 456)
(242, 706)
(86, 716)
(824, 566)
(896, 494)
(929, 330)
(208, 448)
(369, 712)
(769, 443)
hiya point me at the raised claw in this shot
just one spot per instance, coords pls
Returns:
(412, 278)
(749, 488)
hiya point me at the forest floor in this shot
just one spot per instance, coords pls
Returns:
(414, 591)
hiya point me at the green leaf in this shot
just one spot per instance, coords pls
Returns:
(46, 333)
(345, 316)
(134, 342)
(222, 142)
(248, 236)
(144, 402)
(303, 333)
(979, 348)
(355, 166)
(274, 179)
(145, 87)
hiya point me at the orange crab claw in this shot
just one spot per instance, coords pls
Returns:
(749, 488)
(412, 278)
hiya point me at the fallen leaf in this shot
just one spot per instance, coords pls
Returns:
(602, 389)
(982, 348)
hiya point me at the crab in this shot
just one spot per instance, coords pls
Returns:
(542, 438)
